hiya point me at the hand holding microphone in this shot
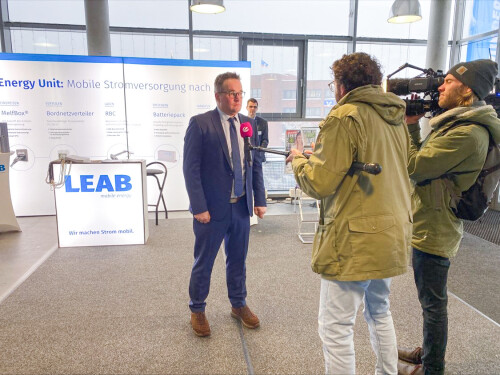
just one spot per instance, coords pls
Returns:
(293, 153)
(246, 132)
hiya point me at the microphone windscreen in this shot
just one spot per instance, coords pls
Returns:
(246, 130)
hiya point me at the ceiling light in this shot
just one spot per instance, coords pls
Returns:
(45, 44)
(207, 6)
(405, 11)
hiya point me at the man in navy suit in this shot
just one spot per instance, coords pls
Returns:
(260, 124)
(221, 182)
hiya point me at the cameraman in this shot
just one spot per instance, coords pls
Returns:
(364, 229)
(460, 152)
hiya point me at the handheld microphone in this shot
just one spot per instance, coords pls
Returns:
(269, 150)
(246, 132)
(371, 168)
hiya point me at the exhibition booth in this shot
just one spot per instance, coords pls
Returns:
(98, 108)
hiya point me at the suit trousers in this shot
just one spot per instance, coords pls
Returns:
(234, 229)
(339, 303)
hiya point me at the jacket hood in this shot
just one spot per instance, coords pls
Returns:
(388, 105)
(479, 112)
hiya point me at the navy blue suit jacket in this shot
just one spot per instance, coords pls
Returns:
(207, 167)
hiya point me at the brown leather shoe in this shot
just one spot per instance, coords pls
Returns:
(412, 356)
(247, 317)
(406, 369)
(200, 324)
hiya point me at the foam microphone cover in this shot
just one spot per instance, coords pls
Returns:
(246, 130)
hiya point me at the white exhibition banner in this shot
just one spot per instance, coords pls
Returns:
(102, 204)
(95, 107)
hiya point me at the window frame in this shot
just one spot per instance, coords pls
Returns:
(300, 43)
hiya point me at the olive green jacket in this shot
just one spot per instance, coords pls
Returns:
(365, 220)
(459, 153)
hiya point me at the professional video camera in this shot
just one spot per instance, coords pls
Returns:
(426, 83)
(494, 99)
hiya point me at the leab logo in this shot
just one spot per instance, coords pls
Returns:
(104, 183)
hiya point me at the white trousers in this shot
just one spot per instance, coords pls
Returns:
(339, 303)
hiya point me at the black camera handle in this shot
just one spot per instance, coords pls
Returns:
(428, 72)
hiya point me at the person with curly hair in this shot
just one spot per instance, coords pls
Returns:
(364, 231)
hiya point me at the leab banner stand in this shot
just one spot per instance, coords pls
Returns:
(8, 221)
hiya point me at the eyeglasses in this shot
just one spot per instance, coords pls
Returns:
(234, 94)
(331, 86)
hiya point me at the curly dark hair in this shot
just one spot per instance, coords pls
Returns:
(221, 78)
(356, 70)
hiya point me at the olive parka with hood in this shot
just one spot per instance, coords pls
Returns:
(458, 152)
(364, 230)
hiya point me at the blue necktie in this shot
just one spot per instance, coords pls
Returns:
(235, 156)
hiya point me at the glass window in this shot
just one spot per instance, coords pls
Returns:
(49, 42)
(54, 11)
(150, 45)
(211, 48)
(290, 94)
(479, 49)
(279, 17)
(392, 56)
(320, 57)
(256, 93)
(314, 112)
(275, 71)
(373, 15)
(313, 93)
(329, 93)
(321, 105)
(480, 17)
(171, 14)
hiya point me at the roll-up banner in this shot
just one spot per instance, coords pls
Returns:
(95, 107)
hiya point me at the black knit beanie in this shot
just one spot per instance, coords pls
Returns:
(479, 75)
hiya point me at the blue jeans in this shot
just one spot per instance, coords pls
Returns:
(339, 303)
(431, 275)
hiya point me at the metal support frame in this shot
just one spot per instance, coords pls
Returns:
(353, 25)
(308, 222)
(458, 24)
(5, 37)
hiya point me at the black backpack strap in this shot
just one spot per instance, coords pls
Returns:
(447, 178)
(486, 172)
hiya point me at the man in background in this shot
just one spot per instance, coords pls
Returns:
(456, 153)
(259, 123)
(364, 230)
(221, 183)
